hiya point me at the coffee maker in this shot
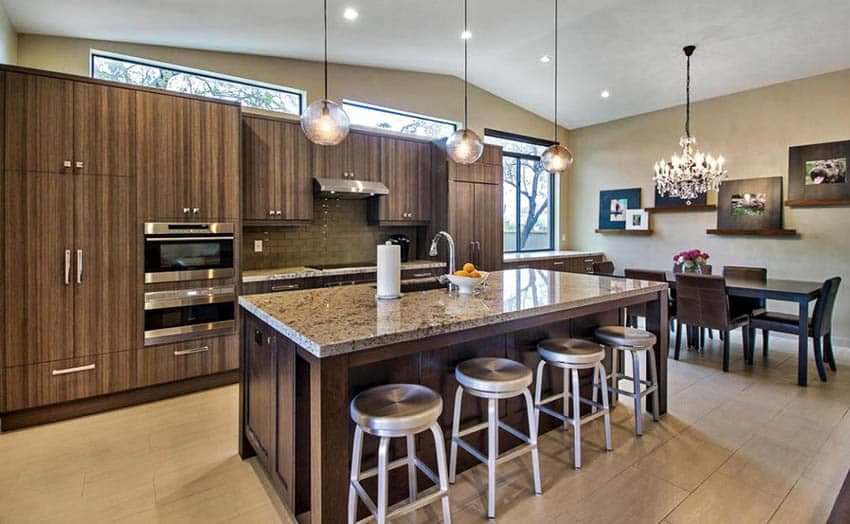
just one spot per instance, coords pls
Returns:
(404, 244)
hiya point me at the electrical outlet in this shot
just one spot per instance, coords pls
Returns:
(563, 238)
(258, 246)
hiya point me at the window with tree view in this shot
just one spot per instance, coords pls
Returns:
(407, 123)
(173, 78)
(529, 200)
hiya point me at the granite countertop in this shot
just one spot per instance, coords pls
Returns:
(340, 320)
(289, 273)
(546, 255)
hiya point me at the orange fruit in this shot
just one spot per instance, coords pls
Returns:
(461, 274)
(475, 274)
(469, 268)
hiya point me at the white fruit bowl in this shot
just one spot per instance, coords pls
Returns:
(466, 285)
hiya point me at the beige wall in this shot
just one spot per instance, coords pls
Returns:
(753, 130)
(435, 95)
(8, 39)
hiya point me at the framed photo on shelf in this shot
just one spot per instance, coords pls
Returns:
(818, 172)
(751, 203)
(613, 204)
(637, 219)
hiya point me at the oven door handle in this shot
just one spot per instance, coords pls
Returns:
(183, 239)
(165, 303)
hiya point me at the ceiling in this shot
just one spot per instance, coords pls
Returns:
(630, 47)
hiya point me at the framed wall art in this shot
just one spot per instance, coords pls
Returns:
(750, 204)
(614, 203)
(637, 219)
(817, 174)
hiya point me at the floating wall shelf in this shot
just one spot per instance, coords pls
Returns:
(682, 209)
(753, 232)
(645, 232)
(818, 203)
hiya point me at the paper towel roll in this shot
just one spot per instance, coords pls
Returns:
(389, 271)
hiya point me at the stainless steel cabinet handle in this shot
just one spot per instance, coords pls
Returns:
(186, 210)
(271, 212)
(422, 275)
(288, 287)
(279, 213)
(66, 163)
(184, 352)
(196, 210)
(67, 371)
(79, 266)
(558, 263)
(67, 267)
(80, 165)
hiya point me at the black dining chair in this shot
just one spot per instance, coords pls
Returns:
(745, 305)
(820, 324)
(702, 301)
(606, 267)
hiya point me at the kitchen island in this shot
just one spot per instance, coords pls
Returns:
(305, 354)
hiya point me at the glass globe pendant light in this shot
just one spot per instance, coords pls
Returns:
(324, 121)
(464, 146)
(556, 158)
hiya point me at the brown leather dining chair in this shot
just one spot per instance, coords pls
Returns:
(695, 337)
(745, 305)
(702, 301)
(820, 325)
(640, 310)
(606, 267)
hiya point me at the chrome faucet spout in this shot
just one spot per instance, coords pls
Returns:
(451, 262)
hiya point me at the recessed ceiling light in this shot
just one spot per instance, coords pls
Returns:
(605, 94)
(466, 35)
(545, 59)
(350, 13)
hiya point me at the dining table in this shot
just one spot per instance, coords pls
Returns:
(801, 292)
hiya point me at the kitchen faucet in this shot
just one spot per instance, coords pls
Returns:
(433, 253)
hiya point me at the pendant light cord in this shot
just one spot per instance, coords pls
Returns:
(556, 71)
(465, 65)
(688, 100)
(325, 12)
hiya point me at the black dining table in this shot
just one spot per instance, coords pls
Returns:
(800, 292)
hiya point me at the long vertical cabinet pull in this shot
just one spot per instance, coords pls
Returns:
(79, 266)
(67, 267)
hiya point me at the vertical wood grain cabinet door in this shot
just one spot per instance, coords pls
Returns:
(420, 194)
(39, 134)
(462, 220)
(261, 166)
(396, 161)
(295, 184)
(104, 130)
(488, 226)
(359, 154)
(38, 271)
(162, 156)
(105, 306)
(261, 387)
(214, 160)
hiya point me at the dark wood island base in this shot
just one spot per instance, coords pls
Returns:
(294, 406)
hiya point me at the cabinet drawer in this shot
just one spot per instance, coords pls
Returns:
(170, 362)
(70, 379)
(275, 286)
(410, 274)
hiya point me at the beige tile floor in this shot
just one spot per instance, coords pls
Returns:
(744, 446)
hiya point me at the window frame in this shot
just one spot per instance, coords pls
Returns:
(300, 93)
(398, 112)
(517, 157)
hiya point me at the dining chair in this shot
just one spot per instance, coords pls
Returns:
(639, 310)
(694, 337)
(605, 267)
(702, 302)
(745, 305)
(820, 324)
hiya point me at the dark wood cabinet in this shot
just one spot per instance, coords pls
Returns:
(38, 276)
(488, 169)
(276, 168)
(358, 155)
(261, 391)
(405, 169)
(105, 276)
(570, 264)
(186, 157)
(104, 130)
(476, 223)
(39, 132)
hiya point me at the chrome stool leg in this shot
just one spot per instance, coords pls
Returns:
(492, 454)
(637, 397)
(455, 431)
(600, 368)
(576, 418)
(615, 380)
(356, 457)
(653, 376)
(440, 444)
(538, 391)
(411, 468)
(383, 451)
(532, 438)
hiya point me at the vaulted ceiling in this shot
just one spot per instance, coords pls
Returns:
(631, 48)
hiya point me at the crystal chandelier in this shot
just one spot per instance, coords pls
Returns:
(556, 158)
(692, 173)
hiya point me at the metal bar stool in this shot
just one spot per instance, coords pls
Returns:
(572, 355)
(390, 411)
(494, 379)
(635, 341)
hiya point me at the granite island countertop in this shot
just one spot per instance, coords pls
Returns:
(548, 255)
(291, 273)
(334, 321)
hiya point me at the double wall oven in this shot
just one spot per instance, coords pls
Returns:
(188, 256)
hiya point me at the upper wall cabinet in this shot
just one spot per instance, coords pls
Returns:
(276, 169)
(186, 157)
(104, 125)
(406, 171)
(358, 156)
(487, 170)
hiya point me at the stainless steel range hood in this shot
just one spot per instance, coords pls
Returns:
(348, 189)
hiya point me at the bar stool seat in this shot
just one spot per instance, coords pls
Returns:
(625, 337)
(570, 351)
(493, 375)
(396, 409)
